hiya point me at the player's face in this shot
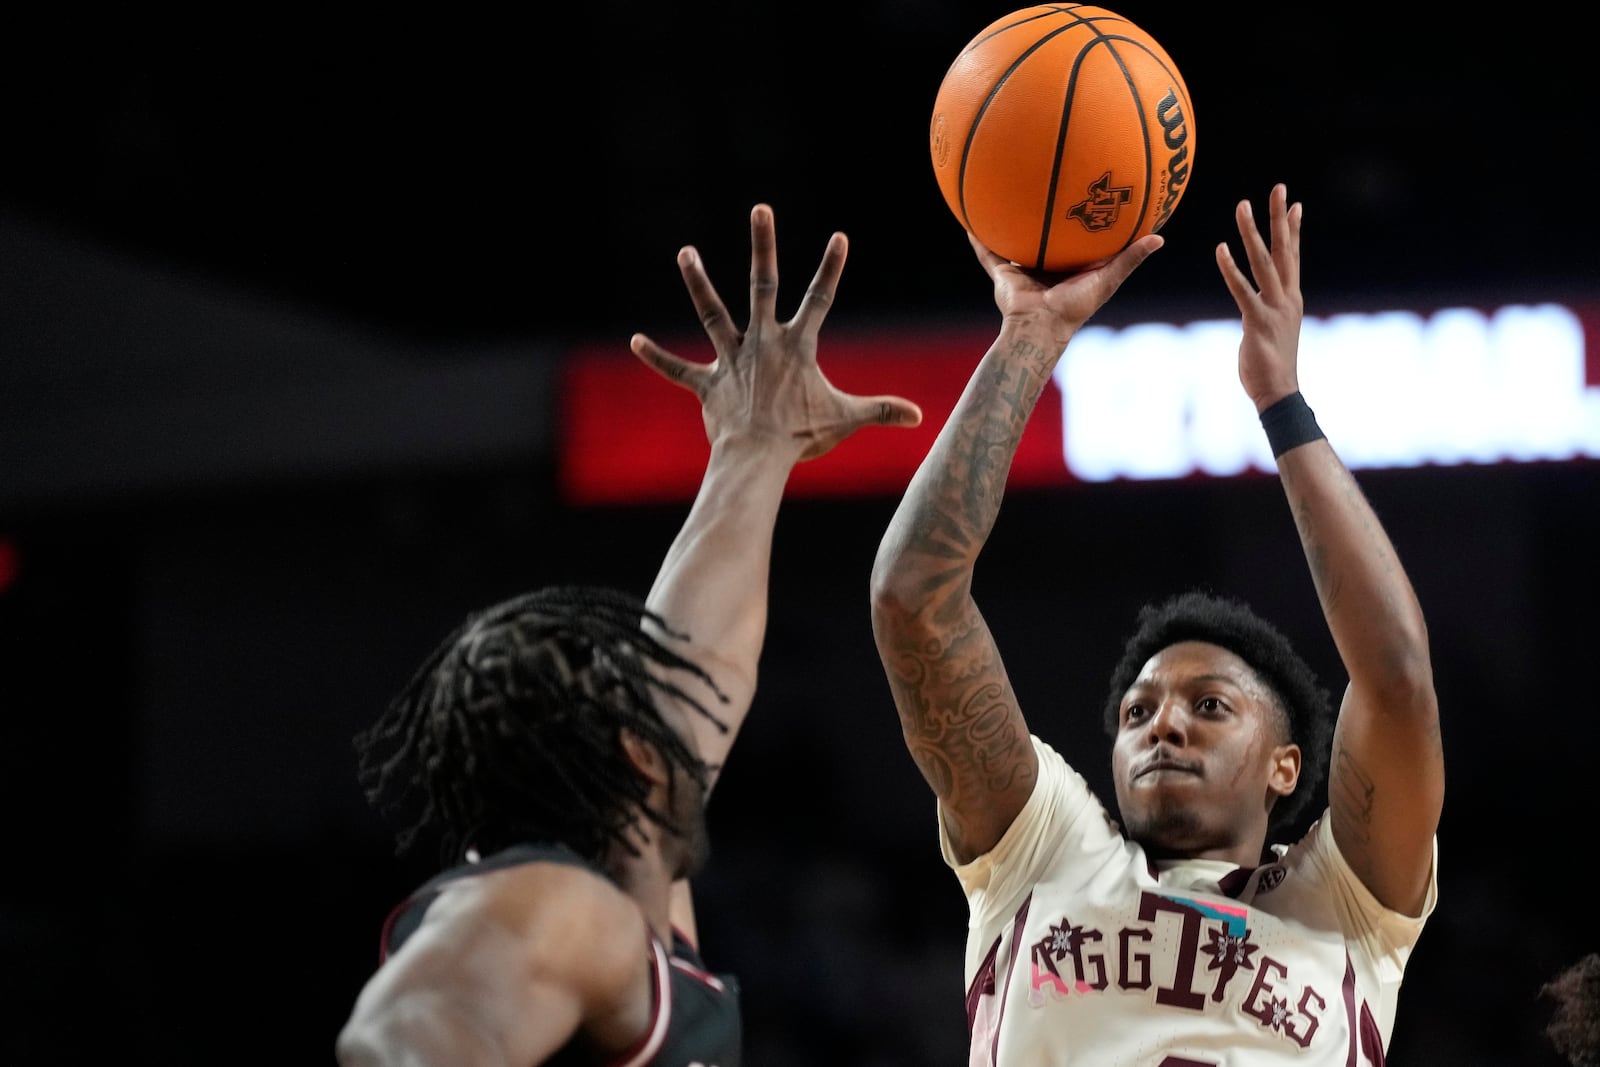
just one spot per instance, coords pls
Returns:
(1200, 754)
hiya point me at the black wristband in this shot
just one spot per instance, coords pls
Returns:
(1290, 423)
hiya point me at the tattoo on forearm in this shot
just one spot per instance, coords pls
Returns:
(989, 461)
(1328, 584)
(952, 511)
(1037, 359)
(935, 532)
(1350, 520)
(977, 457)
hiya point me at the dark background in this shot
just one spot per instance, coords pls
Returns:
(280, 311)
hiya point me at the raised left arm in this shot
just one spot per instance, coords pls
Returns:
(1386, 777)
(766, 406)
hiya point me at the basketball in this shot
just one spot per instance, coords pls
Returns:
(1061, 134)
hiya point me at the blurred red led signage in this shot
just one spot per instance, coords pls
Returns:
(1153, 401)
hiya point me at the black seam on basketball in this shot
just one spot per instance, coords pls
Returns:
(977, 120)
(1144, 133)
(1049, 215)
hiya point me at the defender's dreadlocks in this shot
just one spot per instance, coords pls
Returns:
(510, 730)
(1201, 616)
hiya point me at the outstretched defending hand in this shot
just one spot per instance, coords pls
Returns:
(1273, 307)
(765, 380)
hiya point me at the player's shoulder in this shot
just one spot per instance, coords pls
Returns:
(536, 891)
(544, 890)
(566, 917)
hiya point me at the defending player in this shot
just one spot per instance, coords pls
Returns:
(562, 745)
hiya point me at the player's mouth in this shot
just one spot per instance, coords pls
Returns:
(1166, 765)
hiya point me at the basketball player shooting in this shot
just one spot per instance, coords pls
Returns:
(1182, 937)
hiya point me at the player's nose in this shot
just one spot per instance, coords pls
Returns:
(1170, 723)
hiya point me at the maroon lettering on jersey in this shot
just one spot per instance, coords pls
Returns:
(1133, 968)
(1181, 992)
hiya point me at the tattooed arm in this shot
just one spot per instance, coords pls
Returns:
(957, 709)
(1386, 779)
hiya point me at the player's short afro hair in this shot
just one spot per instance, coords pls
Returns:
(1202, 616)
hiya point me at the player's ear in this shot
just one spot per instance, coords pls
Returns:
(646, 758)
(1285, 769)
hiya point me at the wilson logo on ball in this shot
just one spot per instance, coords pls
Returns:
(1061, 135)
(1169, 113)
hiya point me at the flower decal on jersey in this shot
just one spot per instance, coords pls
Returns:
(1279, 1013)
(1064, 941)
(1228, 953)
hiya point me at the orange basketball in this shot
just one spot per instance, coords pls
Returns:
(1062, 134)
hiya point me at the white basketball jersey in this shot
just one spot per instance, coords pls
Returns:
(1080, 951)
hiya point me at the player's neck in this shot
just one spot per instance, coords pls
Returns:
(1251, 853)
(646, 878)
